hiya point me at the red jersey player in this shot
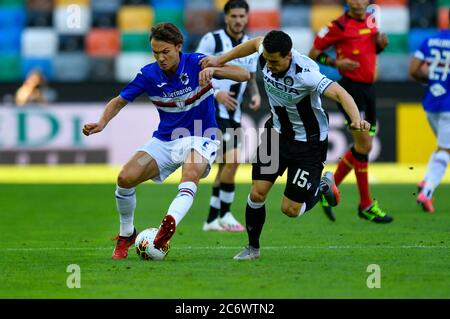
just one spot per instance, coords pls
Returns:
(357, 42)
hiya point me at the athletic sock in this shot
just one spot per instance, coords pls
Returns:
(362, 178)
(255, 216)
(344, 167)
(436, 170)
(126, 204)
(183, 201)
(214, 205)
(226, 196)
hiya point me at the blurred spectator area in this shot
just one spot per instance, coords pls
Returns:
(78, 41)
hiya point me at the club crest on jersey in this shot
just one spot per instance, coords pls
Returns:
(184, 78)
(288, 81)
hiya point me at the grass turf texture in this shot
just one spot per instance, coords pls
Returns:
(45, 228)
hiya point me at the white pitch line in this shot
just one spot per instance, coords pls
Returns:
(227, 248)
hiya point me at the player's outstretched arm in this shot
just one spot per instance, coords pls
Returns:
(244, 49)
(340, 95)
(112, 108)
(230, 72)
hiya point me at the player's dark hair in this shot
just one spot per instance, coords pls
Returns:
(166, 32)
(277, 41)
(236, 4)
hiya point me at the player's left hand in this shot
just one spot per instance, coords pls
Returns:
(382, 40)
(255, 103)
(209, 61)
(361, 125)
(205, 76)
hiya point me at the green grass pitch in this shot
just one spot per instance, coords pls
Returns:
(45, 228)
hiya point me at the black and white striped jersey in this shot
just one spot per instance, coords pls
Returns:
(294, 99)
(217, 43)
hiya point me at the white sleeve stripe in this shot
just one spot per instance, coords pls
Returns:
(419, 55)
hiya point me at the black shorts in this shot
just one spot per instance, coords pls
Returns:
(365, 98)
(228, 141)
(304, 162)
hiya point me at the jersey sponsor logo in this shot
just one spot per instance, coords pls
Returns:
(279, 89)
(178, 93)
(161, 85)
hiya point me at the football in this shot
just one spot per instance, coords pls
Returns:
(145, 248)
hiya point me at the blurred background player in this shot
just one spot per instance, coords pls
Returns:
(173, 75)
(431, 65)
(357, 42)
(297, 132)
(229, 96)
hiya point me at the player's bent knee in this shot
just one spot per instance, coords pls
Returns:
(290, 211)
(257, 197)
(125, 180)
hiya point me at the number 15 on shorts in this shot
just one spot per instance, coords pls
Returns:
(300, 178)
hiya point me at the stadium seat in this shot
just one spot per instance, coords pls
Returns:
(66, 21)
(220, 4)
(398, 43)
(264, 5)
(422, 13)
(391, 2)
(45, 65)
(71, 67)
(326, 2)
(443, 19)
(172, 4)
(263, 20)
(106, 5)
(136, 2)
(71, 43)
(10, 64)
(394, 19)
(101, 69)
(322, 15)
(10, 40)
(40, 5)
(12, 17)
(135, 42)
(200, 21)
(129, 64)
(104, 19)
(39, 42)
(199, 5)
(135, 18)
(103, 42)
(64, 3)
(176, 16)
(295, 16)
(417, 36)
(38, 18)
(302, 38)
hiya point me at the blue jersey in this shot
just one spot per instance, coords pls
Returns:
(181, 102)
(435, 51)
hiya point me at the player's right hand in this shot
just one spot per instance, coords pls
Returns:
(226, 98)
(209, 61)
(361, 125)
(347, 64)
(92, 128)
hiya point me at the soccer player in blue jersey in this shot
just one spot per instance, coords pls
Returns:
(431, 65)
(183, 95)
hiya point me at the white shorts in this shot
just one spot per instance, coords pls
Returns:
(169, 155)
(440, 123)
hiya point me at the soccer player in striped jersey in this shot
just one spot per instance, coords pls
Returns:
(297, 131)
(183, 95)
(431, 65)
(229, 96)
